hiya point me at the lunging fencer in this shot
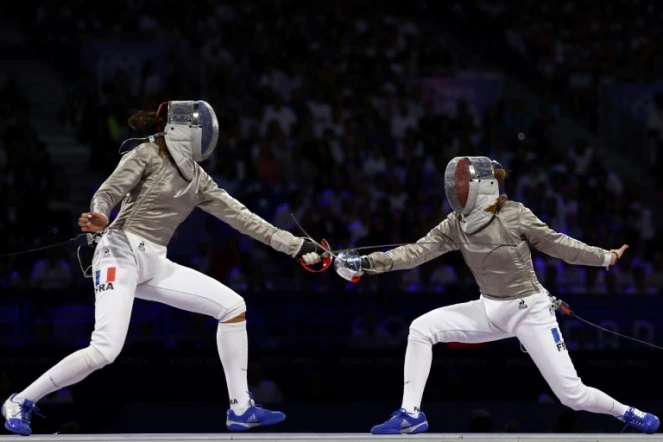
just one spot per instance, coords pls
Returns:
(493, 234)
(160, 183)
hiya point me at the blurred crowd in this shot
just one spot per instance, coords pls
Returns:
(573, 49)
(323, 117)
(35, 207)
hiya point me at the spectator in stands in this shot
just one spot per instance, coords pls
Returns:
(305, 97)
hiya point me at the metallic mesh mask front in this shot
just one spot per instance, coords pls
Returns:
(465, 179)
(201, 118)
(191, 133)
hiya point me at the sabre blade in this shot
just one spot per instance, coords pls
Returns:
(384, 246)
(310, 238)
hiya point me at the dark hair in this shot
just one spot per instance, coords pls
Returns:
(500, 175)
(146, 124)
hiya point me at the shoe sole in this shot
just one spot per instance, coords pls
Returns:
(650, 429)
(8, 428)
(419, 428)
(240, 426)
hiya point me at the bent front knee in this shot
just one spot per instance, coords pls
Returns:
(419, 332)
(239, 318)
(236, 313)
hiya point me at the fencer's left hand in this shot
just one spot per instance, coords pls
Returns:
(616, 255)
(310, 252)
(92, 222)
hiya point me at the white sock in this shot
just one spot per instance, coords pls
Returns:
(233, 345)
(71, 370)
(418, 360)
(604, 404)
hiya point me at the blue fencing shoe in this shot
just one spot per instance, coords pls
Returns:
(645, 422)
(402, 423)
(254, 416)
(18, 415)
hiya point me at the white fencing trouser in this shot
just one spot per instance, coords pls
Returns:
(143, 271)
(532, 320)
(125, 267)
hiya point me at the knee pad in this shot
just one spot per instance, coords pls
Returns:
(233, 311)
(95, 359)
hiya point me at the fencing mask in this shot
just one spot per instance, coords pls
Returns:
(191, 133)
(470, 183)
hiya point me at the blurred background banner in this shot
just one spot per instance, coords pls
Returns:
(479, 93)
(106, 61)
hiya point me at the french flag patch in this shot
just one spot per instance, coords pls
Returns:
(109, 276)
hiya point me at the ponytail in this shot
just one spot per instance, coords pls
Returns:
(146, 124)
(500, 175)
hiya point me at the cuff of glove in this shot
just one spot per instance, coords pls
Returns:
(607, 260)
(286, 242)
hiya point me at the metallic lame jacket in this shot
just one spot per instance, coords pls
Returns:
(498, 255)
(156, 199)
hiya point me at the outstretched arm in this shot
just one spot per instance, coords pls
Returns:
(219, 203)
(561, 246)
(438, 241)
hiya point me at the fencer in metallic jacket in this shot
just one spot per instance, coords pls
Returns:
(494, 236)
(495, 246)
(156, 199)
(498, 255)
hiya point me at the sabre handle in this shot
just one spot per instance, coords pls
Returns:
(561, 306)
(326, 259)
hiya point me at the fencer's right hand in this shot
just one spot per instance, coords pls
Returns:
(616, 255)
(311, 258)
(92, 222)
(310, 252)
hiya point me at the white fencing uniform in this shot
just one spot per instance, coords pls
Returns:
(127, 267)
(513, 303)
(158, 192)
(532, 320)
